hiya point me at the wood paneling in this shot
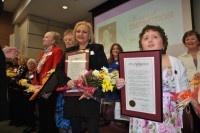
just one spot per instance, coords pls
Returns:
(6, 28)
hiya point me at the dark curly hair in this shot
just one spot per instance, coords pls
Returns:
(158, 29)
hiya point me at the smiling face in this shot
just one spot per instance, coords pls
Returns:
(48, 39)
(68, 39)
(151, 40)
(30, 65)
(191, 42)
(82, 34)
(115, 50)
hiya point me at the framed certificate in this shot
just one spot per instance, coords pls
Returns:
(76, 63)
(142, 94)
(50, 85)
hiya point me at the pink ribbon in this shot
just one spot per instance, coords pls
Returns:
(78, 84)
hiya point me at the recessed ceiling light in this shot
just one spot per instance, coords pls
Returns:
(64, 7)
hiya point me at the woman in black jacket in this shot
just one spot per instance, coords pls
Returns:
(84, 110)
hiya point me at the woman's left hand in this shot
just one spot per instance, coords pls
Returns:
(120, 83)
(86, 94)
(46, 95)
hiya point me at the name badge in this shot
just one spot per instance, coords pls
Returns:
(31, 76)
(50, 53)
(91, 52)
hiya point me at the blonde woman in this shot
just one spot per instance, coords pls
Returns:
(48, 60)
(84, 110)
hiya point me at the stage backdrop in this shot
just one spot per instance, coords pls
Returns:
(123, 23)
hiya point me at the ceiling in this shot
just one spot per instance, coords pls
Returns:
(52, 9)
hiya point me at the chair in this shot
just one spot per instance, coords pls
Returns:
(188, 124)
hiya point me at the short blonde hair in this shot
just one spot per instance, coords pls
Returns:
(31, 60)
(68, 32)
(92, 40)
(56, 37)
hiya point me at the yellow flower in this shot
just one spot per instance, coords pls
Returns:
(31, 88)
(10, 73)
(102, 79)
(110, 87)
(115, 73)
(23, 82)
(107, 85)
(103, 74)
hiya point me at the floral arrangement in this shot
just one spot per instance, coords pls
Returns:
(101, 78)
(10, 73)
(24, 82)
(191, 95)
(94, 79)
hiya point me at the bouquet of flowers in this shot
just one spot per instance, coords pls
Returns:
(191, 95)
(24, 82)
(30, 87)
(10, 73)
(96, 82)
(102, 78)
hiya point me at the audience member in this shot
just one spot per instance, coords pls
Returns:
(154, 38)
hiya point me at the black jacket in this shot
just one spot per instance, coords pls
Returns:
(84, 107)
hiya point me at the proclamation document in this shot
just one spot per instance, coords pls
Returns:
(142, 94)
(140, 84)
(76, 63)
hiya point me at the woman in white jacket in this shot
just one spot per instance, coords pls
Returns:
(174, 79)
(191, 58)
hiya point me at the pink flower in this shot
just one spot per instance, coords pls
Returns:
(133, 120)
(146, 130)
(162, 128)
(178, 122)
(142, 123)
(170, 128)
(88, 73)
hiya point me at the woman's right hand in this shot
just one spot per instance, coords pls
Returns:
(197, 76)
(70, 84)
(120, 83)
